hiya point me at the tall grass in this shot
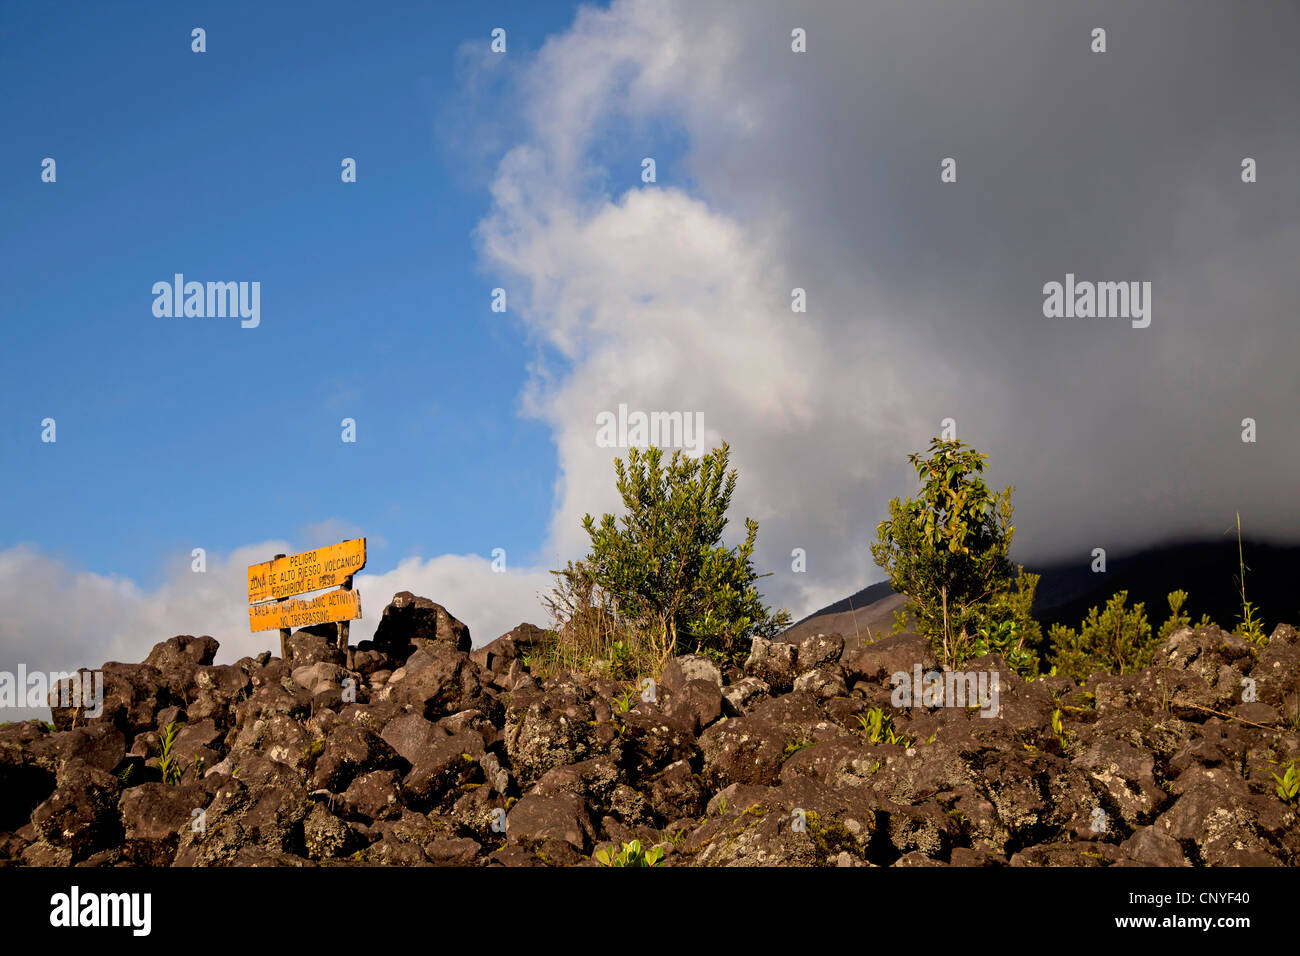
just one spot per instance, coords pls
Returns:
(590, 638)
(1251, 626)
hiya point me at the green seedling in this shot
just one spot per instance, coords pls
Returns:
(1058, 727)
(879, 728)
(170, 768)
(1288, 785)
(631, 854)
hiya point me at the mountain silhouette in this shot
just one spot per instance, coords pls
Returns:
(1207, 570)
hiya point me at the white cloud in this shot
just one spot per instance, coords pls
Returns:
(821, 171)
(654, 299)
(60, 619)
(489, 602)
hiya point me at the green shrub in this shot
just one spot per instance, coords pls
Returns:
(1116, 639)
(1177, 619)
(1008, 627)
(948, 552)
(658, 581)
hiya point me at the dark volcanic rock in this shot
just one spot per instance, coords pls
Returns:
(81, 814)
(445, 756)
(560, 817)
(410, 622)
(314, 645)
(133, 695)
(698, 703)
(350, 751)
(679, 671)
(890, 655)
(744, 750)
(154, 815)
(436, 681)
(546, 729)
(772, 662)
(24, 781)
(498, 655)
(177, 658)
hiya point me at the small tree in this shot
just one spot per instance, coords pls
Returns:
(948, 553)
(663, 565)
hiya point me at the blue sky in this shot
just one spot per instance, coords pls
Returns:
(777, 169)
(175, 433)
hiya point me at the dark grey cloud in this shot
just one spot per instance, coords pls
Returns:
(1114, 166)
(926, 298)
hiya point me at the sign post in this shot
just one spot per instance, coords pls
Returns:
(272, 586)
(284, 631)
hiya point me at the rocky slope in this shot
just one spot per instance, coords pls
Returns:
(456, 757)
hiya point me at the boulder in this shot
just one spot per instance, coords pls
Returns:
(409, 622)
(890, 655)
(450, 764)
(817, 650)
(327, 837)
(372, 796)
(676, 792)
(548, 729)
(132, 696)
(823, 682)
(350, 751)
(443, 682)
(738, 697)
(315, 644)
(98, 744)
(217, 689)
(80, 816)
(773, 662)
(561, 817)
(680, 671)
(594, 781)
(1126, 775)
(154, 815)
(410, 735)
(178, 657)
(497, 656)
(696, 704)
(24, 781)
(744, 750)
